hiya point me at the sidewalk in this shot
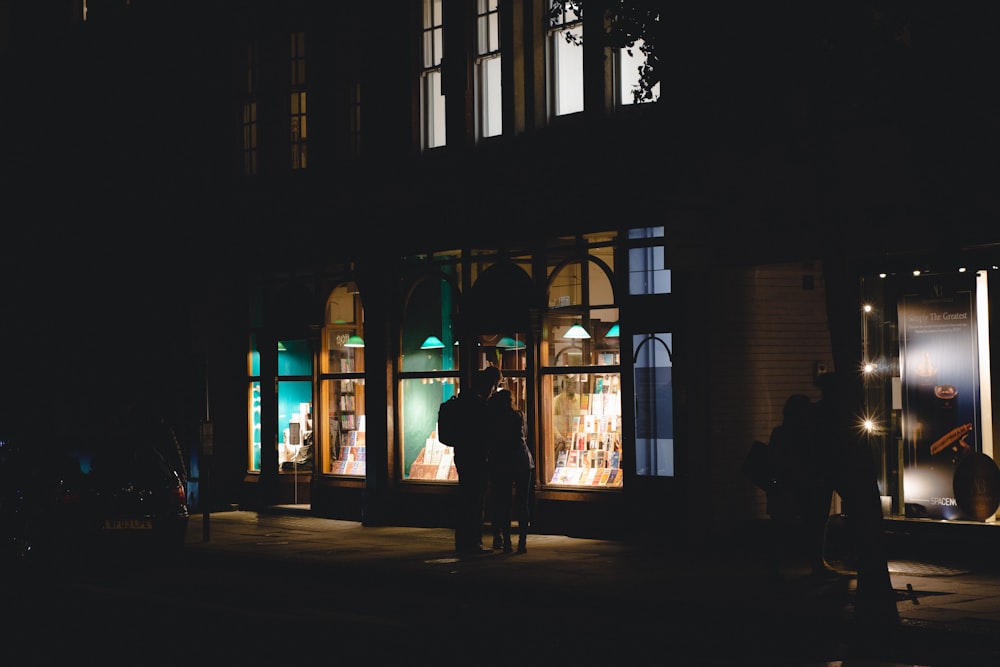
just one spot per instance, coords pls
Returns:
(944, 609)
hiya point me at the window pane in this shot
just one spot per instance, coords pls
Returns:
(424, 457)
(490, 101)
(654, 409)
(295, 425)
(568, 72)
(254, 400)
(647, 273)
(294, 357)
(253, 361)
(433, 106)
(428, 313)
(584, 419)
(343, 430)
(628, 74)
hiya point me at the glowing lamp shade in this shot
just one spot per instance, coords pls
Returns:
(431, 343)
(576, 332)
(355, 341)
(509, 343)
(612, 332)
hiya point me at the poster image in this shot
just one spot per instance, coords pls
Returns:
(940, 391)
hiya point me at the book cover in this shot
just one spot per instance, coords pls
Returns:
(573, 459)
(605, 476)
(588, 477)
(445, 465)
(556, 475)
(597, 405)
(615, 459)
(561, 458)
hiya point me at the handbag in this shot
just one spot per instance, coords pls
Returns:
(757, 466)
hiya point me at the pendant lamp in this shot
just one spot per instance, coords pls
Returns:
(432, 343)
(576, 331)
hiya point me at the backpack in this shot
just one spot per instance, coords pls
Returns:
(453, 422)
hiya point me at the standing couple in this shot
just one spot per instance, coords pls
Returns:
(496, 458)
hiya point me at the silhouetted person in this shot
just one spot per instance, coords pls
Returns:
(795, 499)
(471, 462)
(512, 468)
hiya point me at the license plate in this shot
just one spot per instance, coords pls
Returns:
(128, 524)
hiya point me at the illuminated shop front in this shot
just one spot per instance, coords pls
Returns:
(597, 396)
(926, 339)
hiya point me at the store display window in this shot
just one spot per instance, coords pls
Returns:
(342, 432)
(253, 403)
(581, 381)
(296, 441)
(296, 445)
(928, 411)
(428, 377)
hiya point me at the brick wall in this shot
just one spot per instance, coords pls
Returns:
(769, 332)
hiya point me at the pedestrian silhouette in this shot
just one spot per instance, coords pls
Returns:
(798, 498)
(471, 462)
(512, 472)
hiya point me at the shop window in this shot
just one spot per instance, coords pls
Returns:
(253, 404)
(654, 404)
(432, 119)
(581, 381)
(429, 376)
(928, 409)
(296, 442)
(295, 419)
(565, 51)
(342, 433)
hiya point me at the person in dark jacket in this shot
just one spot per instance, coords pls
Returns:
(512, 467)
(800, 495)
(471, 462)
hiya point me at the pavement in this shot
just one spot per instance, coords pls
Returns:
(949, 609)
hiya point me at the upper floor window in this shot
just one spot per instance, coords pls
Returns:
(355, 120)
(488, 90)
(431, 93)
(250, 113)
(565, 52)
(631, 64)
(297, 107)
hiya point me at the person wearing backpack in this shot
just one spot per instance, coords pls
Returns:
(511, 467)
(471, 462)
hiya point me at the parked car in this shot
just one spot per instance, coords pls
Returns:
(106, 492)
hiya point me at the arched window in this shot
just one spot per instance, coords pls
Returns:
(581, 377)
(429, 376)
(341, 385)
